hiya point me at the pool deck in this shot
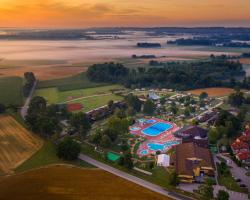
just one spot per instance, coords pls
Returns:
(165, 136)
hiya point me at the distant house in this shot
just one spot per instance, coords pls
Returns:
(192, 163)
(153, 96)
(194, 134)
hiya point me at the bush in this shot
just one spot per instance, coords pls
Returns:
(68, 149)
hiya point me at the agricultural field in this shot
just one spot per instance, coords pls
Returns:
(16, 144)
(68, 182)
(78, 81)
(90, 98)
(11, 90)
(212, 92)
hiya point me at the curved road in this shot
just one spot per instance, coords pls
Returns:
(131, 178)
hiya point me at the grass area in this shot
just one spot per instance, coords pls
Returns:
(11, 90)
(68, 183)
(53, 95)
(46, 156)
(69, 83)
(95, 102)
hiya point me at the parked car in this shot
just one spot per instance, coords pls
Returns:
(242, 185)
(238, 180)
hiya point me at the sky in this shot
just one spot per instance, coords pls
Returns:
(113, 13)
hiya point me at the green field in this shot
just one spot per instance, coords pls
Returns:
(90, 97)
(69, 83)
(11, 90)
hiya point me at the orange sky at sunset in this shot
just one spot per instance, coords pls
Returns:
(91, 13)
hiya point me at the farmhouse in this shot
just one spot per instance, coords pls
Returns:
(192, 163)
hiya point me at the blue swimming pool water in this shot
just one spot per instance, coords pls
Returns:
(144, 152)
(156, 129)
(161, 147)
(150, 121)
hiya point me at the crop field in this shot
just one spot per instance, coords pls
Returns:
(212, 92)
(16, 144)
(90, 97)
(78, 81)
(68, 183)
(11, 90)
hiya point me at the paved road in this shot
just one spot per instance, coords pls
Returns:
(131, 178)
(25, 107)
(232, 195)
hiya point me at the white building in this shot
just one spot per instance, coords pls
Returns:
(163, 160)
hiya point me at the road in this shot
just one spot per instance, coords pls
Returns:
(131, 178)
(238, 172)
(25, 107)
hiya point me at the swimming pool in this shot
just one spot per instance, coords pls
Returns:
(156, 129)
(135, 128)
(161, 147)
(144, 152)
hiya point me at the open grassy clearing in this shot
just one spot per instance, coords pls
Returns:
(212, 92)
(90, 97)
(46, 156)
(16, 144)
(67, 182)
(11, 90)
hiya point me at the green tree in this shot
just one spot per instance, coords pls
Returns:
(134, 102)
(206, 190)
(203, 95)
(222, 195)
(173, 179)
(187, 112)
(2, 108)
(105, 141)
(128, 163)
(68, 149)
(149, 107)
(80, 122)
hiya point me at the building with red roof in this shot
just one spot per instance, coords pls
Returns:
(241, 147)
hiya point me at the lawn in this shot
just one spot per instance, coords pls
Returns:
(68, 183)
(88, 95)
(46, 156)
(11, 90)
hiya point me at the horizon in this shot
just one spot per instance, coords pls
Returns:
(61, 14)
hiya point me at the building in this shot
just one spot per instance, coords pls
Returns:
(153, 96)
(193, 134)
(192, 163)
(241, 147)
(163, 160)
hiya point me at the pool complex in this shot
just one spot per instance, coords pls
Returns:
(157, 129)
(158, 134)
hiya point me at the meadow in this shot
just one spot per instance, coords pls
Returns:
(17, 144)
(11, 91)
(90, 97)
(68, 182)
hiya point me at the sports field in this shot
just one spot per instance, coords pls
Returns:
(212, 92)
(90, 98)
(11, 90)
(69, 183)
(16, 144)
